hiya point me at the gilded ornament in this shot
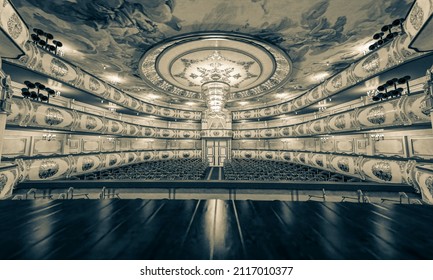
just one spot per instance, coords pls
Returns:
(267, 111)
(53, 117)
(317, 127)
(15, 26)
(94, 84)
(337, 82)
(48, 168)
(91, 123)
(115, 126)
(285, 131)
(87, 163)
(187, 134)
(371, 64)
(58, 68)
(429, 183)
(343, 165)
(147, 156)
(148, 132)
(376, 115)
(165, 133)
(186, 154)
(165, 155)
(112, 160)
(382, 170)
(340, 122)
(416, 17)
(3, 181)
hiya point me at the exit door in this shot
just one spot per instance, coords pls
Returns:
(216, 152)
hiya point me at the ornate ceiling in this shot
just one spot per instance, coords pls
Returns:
(181, 66)
(109, 37)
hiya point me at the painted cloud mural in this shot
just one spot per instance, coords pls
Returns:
(109, 36)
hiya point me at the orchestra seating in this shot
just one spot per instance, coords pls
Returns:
(176, 169)
(261, 170)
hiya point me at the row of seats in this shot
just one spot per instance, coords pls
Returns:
(176, 169)
(260, 170)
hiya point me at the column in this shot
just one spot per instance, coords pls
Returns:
(5, 95)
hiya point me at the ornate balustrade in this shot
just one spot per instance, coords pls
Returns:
(72, 165)
(41, 61)
(406, 110)
(365, 168)
(385, 58)
(26, 113)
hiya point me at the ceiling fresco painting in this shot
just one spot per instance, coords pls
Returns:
(109, 37)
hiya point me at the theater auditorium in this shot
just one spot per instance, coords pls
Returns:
(216, 130)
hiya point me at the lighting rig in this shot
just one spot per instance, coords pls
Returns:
(382, 38)
(38, 40)
(33, 91)
(383, 91)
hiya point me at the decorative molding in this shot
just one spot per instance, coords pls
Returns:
(42, 115)
(377, 115)
(371, 169)
(391, 55)
(72, 165)
(39, 60)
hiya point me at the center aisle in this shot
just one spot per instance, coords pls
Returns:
(215, 173)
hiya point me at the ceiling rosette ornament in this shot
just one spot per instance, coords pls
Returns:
(181, 65)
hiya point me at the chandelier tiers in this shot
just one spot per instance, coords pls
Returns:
(215, 93)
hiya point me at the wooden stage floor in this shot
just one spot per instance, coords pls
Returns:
(213, 229)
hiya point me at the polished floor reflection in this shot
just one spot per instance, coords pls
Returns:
(213, 229)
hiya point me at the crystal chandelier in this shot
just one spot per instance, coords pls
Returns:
(215, 93)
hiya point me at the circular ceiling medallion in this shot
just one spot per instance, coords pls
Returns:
(180, 66)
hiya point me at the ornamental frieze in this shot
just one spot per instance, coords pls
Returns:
(382, 170)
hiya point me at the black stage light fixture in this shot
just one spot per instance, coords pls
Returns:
(405, 80)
